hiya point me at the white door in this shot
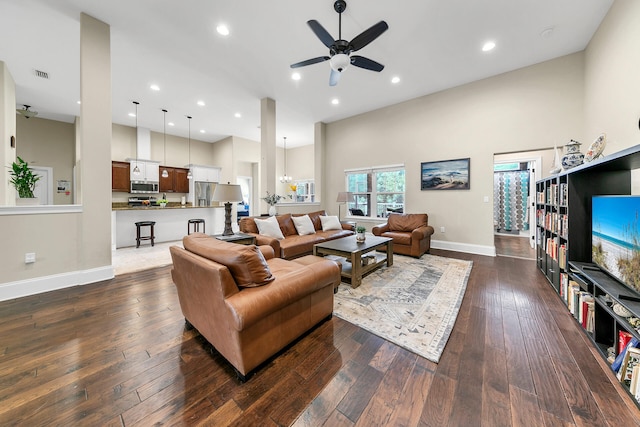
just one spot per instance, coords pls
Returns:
(44, 187)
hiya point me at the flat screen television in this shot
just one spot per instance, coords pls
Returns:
(615, 237)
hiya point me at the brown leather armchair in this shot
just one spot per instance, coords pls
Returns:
(247, 303)
(411, 233)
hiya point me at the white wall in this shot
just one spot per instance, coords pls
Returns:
(523, 110)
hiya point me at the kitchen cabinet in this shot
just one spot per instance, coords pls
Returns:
(176, 182)
(149, 170)
(120, 177)
(205, 173)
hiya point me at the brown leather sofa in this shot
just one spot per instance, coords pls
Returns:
(293, 245)
(247, 303)
(411, 233)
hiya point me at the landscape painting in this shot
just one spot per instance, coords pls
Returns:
(445, 175)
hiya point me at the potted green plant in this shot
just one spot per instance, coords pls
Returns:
(23, 179)
(163, 202)
(360, 233)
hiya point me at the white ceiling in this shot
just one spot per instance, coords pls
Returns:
(431, 45)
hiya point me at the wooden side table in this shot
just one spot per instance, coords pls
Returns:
(240, 238)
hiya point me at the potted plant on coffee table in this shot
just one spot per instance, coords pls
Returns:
(360, 233)
(24, 181)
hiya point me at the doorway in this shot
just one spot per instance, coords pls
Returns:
(515, 175)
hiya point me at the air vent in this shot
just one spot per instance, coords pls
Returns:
(42, 74)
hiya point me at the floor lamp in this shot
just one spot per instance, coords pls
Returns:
(343, 197)
(227, 193)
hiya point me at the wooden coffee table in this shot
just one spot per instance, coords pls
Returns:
(355, 257)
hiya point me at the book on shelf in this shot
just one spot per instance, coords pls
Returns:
(623, 340)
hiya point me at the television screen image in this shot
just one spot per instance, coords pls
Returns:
(615, 238)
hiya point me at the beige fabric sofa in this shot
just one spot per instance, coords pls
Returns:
(293, 245)
(247, 303)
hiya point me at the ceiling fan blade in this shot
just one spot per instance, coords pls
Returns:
(366, 63)
(367, 36)
(334, 78)
(322, 34)
(310, 61)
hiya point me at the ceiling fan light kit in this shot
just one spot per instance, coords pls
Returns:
(26, 113)
(340, 50)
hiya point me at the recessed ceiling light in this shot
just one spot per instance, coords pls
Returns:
(237, 115)
(200, 103)
(335, 101)
(79, 102)
(296, 76)
(223, 30)
(171, 124)
(201, 130)
(132, 114)
(395, 80)
(488, 46)
(154, 87)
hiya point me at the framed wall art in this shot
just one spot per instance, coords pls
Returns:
(445, 175)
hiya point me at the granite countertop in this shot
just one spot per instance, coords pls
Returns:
(124, 206)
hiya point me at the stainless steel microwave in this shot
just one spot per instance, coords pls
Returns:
(144, 187)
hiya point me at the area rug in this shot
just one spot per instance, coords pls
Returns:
(414, 303)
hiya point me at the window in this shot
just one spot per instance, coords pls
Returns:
(376, 191)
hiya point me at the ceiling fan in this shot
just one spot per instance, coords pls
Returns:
(340, 51)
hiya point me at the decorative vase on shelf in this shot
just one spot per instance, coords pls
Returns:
(573, 157)
(272, 210)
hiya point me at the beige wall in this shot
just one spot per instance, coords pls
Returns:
(7, 130)
(48, 143)
(71, 248)
(523, 110)
(612, 79)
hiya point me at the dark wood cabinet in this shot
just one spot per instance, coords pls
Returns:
(563, 237)
(120, 177)
(176, 182)
(181, 183)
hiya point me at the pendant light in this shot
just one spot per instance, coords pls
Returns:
(285, 177)
(136, 169)
(165, 173)
(189, 175)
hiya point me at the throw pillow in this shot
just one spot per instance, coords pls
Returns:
(303, 225)
(269, 227)
(245, 262)
(330, 223)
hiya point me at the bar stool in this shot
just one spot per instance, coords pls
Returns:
(149, 237)
(196, 225)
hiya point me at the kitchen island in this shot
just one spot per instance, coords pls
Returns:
(171, 222)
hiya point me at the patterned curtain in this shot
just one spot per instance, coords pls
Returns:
(510, 192)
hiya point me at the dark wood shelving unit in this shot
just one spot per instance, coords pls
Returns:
(569, 193)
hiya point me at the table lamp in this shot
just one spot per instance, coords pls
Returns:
(227, 193)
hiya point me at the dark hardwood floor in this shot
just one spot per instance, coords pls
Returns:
(116, 353)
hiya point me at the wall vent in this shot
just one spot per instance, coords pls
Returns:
(42, 74)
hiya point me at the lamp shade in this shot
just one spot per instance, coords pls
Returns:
(227, 193)
(344, 197)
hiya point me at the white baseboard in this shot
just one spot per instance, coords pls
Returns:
(23, 288)
(464, 247)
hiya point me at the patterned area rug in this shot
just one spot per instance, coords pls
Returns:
(413, 303)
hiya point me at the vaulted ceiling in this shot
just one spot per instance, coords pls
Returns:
(431, 45)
